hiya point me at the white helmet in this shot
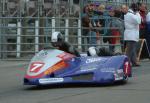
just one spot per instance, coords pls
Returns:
(92, 51)
(56, 36)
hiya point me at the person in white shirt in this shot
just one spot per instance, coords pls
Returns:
(131, 34)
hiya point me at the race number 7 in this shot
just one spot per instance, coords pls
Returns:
(36, 66)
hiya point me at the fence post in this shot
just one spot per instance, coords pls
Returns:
(0, 40)
(18, 38)
(36, 35)
(79, 34)
(53, 24)
(66, 29)
(0, 37)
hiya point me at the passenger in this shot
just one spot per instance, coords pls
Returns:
(58, 42)
(93, 51)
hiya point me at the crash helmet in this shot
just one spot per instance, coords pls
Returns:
(56, 37)
(92, 51)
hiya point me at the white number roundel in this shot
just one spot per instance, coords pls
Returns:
(36, 66)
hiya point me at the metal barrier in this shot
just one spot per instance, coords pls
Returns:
(23, 38)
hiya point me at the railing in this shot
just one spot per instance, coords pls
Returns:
(19, 39)
(25, 36)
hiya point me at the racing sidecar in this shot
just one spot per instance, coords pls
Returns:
(52, 66)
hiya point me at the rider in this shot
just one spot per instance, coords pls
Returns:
(93, 51)
(58, 42)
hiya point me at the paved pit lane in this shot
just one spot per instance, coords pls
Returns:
(12, 90)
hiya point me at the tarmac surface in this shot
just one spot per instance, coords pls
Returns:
(12, 90)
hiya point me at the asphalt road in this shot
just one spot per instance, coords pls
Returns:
(12, 90)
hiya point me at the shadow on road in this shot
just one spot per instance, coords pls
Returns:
(81, 85)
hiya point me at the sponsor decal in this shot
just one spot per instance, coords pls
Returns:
(119, 74)
(108, 70)
(88, 69)
(42, 53)
(50, 80)
(36, 66)
(58, 66)
(91, 60)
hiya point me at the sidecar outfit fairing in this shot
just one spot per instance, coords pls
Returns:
(56, 66)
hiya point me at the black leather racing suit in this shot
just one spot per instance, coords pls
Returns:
(65, 46)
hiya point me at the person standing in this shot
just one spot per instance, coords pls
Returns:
(124, 10)
(131, 34)
(148, 30)
(142, 11)
(143, 35)
(117, 29)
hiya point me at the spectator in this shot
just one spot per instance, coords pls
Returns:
(85, 24)
(142, 11)
(93, 24)
(124, 10)
(101, 10)
(85, 10)
(107, 20)
(90, 10)
(85, 30)
(131, 34)
(117, 29)
(148, 30)
(111, 24)
(92, 33)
